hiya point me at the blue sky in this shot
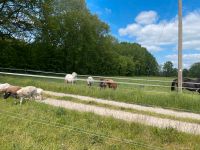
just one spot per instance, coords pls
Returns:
(152, 23)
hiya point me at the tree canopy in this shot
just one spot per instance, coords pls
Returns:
(194, 70)
(18, 19)
(169, 70)
(63, 36)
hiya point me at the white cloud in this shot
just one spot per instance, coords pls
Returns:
(132, 28)
(188, 59)
(153, 48)
(146, 17)
(155, 36)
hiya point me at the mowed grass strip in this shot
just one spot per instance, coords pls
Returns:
(62, 130)
(186, 101)
(93, 103)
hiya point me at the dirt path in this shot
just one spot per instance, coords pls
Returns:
(131, 106)
(191, 128)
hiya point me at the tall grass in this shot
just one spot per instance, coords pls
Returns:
(21, 128)
(124, 93)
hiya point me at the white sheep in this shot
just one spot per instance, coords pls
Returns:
(27, 92)
(70, 78)
(39, 93)
(90, 81)
(3, 87)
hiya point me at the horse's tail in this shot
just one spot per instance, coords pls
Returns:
(173, 84)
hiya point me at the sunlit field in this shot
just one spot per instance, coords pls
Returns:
(154, 96)
(39, 126)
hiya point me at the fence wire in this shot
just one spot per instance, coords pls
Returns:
(94, 76)
(96, 81)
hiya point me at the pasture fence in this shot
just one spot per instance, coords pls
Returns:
(27, 71)
(96, 81)
(62, 78)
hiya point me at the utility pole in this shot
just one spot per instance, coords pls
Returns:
(180, 40)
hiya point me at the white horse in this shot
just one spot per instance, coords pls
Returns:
(71, 78)
(90, 81)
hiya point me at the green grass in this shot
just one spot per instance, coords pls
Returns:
(124, 93)
(40, 126)
(75, 100)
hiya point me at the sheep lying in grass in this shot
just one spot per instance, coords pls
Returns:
(90, 81)
(3, 87)
(11, 91)
(70, 78)
(27, 92)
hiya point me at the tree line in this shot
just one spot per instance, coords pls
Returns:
(168, 70)
(63, 36)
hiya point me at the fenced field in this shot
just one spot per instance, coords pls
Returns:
(150, 91)
(39, 126)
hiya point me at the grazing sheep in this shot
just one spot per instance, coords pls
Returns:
(102, 84)
(90, 81)
(27, 92)
(39, 93)
(3, 87)
(70, 78)
(111, 84)
(11, 91)
(74, 74)
(108, 82)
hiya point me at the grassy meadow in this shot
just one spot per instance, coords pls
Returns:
(154, 96)
(40, 126)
